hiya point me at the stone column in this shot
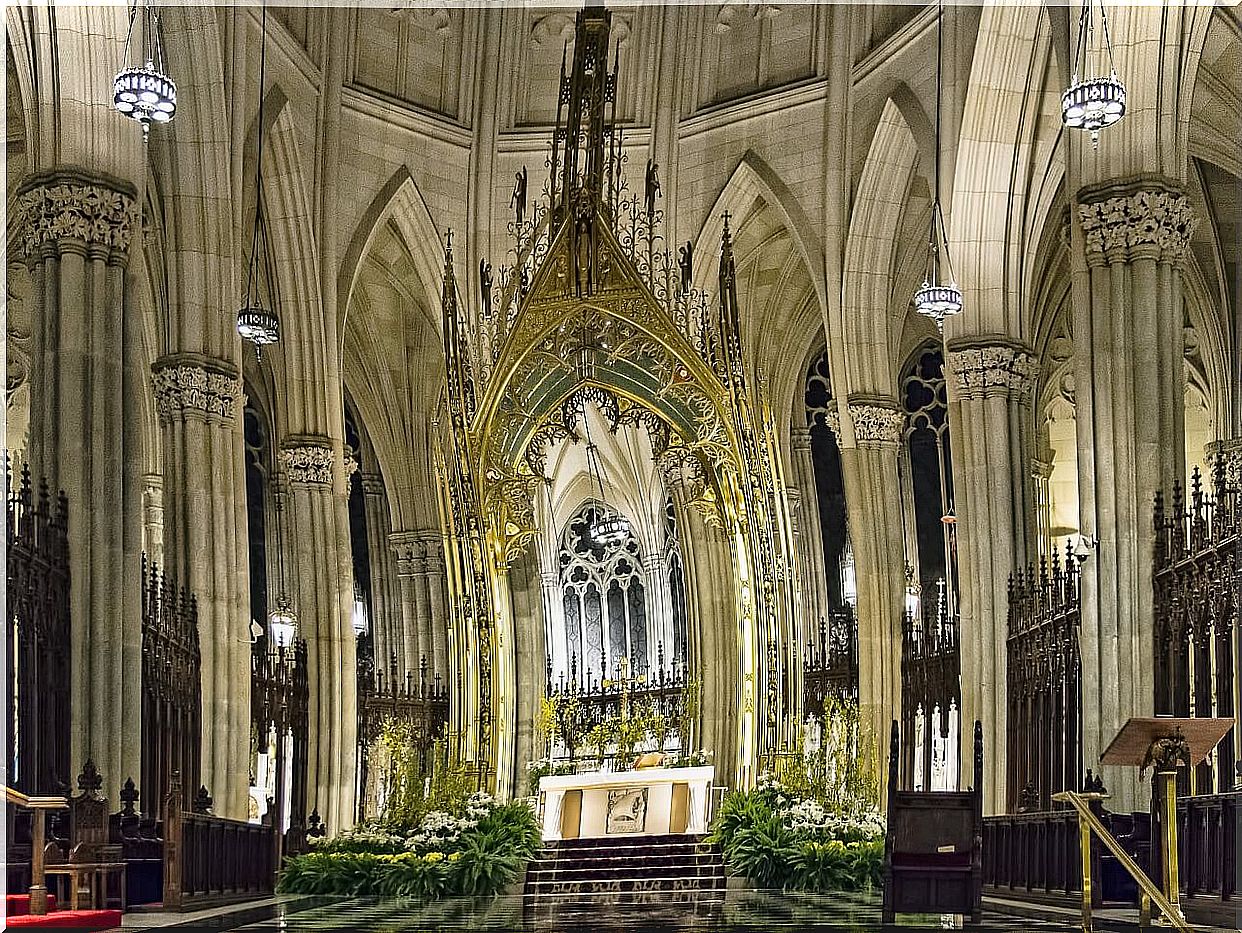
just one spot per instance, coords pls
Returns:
(320, 579)
(153, 517)
(411, 565)
(385, 596)
(712, 630)
(554, 625)
(872, 497)
(659, 609)
(77, 230)
(991, 431)
(804, 505)
(437, 595)
(1130, 379)
(199, 399)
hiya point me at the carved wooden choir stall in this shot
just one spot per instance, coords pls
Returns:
(933, 860)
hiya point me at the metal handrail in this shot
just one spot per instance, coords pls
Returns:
(1088, 822)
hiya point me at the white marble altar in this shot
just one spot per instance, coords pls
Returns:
(650, 802)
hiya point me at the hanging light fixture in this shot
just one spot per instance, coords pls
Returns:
(143, 91)
(607, 528)
(1093, 100)
(938, 297)
(282, 621)
(256, 322)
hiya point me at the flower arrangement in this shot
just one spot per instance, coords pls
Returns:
(468, 844)
(815, 827)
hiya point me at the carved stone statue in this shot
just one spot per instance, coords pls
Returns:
(651, 189)
(685, 260)
(485, 286)
(518, 201)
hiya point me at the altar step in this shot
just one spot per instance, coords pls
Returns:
(575, 875)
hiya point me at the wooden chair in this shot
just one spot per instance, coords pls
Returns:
(933, 861)
(94, 866)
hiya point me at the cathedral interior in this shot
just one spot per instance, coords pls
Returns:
(415, 405)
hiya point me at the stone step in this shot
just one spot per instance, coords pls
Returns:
(623, 868)
(614, 896)
(602, 847)
(609, 862)
(537, 883)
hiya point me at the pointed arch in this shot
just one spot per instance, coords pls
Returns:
(401, 201)
(870, 254)
(288, 212)
(1008, 170)
(754, 178)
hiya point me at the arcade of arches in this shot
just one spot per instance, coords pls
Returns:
(629, 391)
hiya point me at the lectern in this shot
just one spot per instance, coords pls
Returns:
(1165, 743)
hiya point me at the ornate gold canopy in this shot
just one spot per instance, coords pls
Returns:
(591, 308)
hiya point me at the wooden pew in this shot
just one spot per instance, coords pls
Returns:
(933, 848)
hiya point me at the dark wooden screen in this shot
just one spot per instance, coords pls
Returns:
(930, 680)
(171, 694)
(38, 636)
(830, 665)
(1197, 573)
(1045, 684)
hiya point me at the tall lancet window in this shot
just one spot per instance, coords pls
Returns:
(829, 484)
(605, 597)
(929, 471)
(676, 580)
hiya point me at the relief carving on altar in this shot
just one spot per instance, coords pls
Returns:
(627, 810)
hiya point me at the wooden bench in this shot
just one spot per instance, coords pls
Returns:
(933, 860)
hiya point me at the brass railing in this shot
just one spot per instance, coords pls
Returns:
(1149, 893)
(38, 806)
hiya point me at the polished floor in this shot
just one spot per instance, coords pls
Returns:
(742, 912)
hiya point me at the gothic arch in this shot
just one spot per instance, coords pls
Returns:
(401, 201)
(1007, 169)
(870, 252)
(754, 178)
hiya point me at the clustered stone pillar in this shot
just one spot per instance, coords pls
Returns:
(153, 517)
(424, 591)
(713, 627)
(321, 584)
(804, 510)
(869, 469)
(991, 424)
(1130, 378)
(77, 238)
(385, 596)
(205, 549)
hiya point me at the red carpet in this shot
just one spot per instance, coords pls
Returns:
(17, 917)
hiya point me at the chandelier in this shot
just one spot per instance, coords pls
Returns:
(1093, 101)
(143, 91)
(938, 297)
(256, 322)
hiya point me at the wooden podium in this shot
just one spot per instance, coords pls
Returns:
(1165, 743)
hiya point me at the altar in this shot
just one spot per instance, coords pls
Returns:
(650, 802)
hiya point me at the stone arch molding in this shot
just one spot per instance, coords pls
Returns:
(618, 350)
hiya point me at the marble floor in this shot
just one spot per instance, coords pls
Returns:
(742, 912)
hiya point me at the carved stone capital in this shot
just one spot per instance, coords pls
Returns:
(1120, 224)
(877, 425)
(191, 386)
(66, 207)
(972, 372)
(307, 461)
(372, 484)
(417, 551)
